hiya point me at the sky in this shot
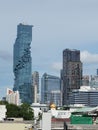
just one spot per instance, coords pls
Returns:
(58, 24)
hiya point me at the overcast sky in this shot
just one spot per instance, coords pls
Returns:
(58, 24)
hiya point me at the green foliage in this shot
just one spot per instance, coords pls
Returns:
(3, 102)
(12, 110)
(24, 111)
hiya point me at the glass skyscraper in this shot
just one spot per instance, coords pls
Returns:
(50, 85)
(22, 63)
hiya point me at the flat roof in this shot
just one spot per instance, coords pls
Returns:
(86, 109)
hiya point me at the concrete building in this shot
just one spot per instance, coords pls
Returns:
(22, 63)
(71, 73)
(86, 95)
(49, 83)
(13, 97)
(35, 82)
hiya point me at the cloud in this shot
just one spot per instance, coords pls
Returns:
(57, 66)
(4, 55)
(87, 57)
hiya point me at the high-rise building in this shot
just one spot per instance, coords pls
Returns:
(71, 73)
(35, 82)
(22, 63)
(49, 84)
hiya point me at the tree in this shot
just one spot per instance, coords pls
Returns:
(24, 111)
(12, 110)
(3, 102)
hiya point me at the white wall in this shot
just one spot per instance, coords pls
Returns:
(3, 111)
(46, 121)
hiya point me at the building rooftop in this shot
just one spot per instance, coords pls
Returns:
(86, 109)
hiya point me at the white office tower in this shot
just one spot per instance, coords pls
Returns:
(35, 94)
(35, 83)
(13, 97)
(3, 111)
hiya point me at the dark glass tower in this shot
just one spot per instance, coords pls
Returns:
(22, 63)
(71, 73)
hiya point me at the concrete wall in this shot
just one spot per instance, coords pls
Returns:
(15, 126)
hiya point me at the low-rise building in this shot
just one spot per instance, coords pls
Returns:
(86, 95)
(13, 97)
(3, 111)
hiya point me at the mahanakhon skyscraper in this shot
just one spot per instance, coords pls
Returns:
(22, 63)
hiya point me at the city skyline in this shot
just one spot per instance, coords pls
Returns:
(57, 25)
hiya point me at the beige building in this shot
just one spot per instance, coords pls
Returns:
(13, 97)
